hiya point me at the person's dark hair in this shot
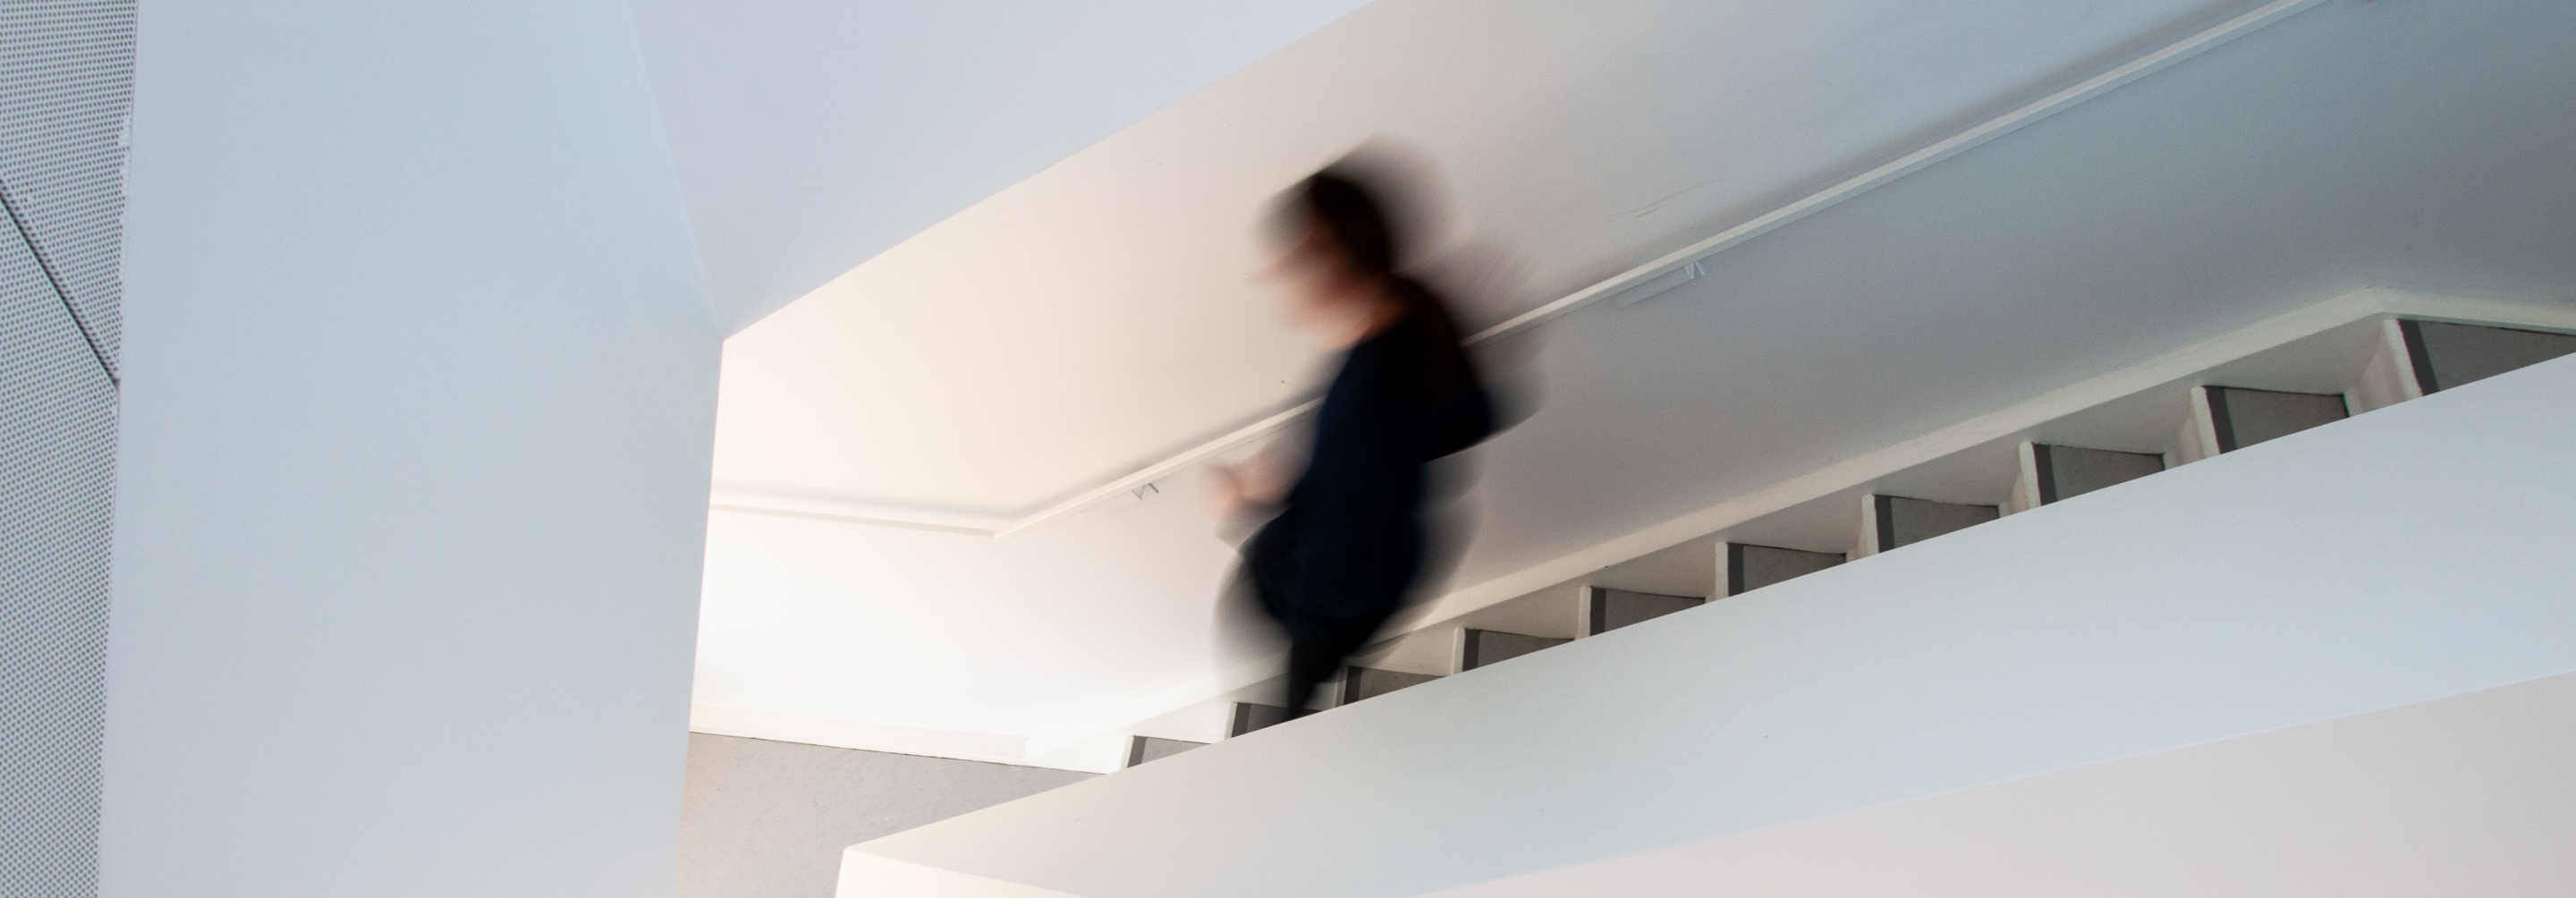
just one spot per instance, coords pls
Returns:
(1351, 219)
(1351, 213)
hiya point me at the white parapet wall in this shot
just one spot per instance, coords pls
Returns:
(2466, 795)
(2406, 555)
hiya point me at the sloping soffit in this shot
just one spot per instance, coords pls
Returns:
(1658, 273)
(809, 136)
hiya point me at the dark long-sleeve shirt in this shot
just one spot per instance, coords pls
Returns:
(1349, 538)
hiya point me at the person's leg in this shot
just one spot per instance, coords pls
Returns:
(1313, 656)
(1310, 657)
(1318, 646)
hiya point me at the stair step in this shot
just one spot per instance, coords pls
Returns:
(2067, 471)
(1477, 648)
(1141, 749)
(1605, 610)
(1750, 567)
(1916, 680)
(1902, 521)
(1360, 683)
(2446, 355)
(1249, 716)
(2240, 417)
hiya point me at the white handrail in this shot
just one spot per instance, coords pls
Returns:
(1992, 128)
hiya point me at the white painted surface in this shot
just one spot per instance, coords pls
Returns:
(721, 720)
(803, 621)
(2467, 795)
(1102, 315)
(2384, 560)
(864, 874)
(812, 135)
(417, 412)
(764, 819)
(2126, 395)
(1633, 285)
(2354, 144)
(2390, 379)
(2025, 489)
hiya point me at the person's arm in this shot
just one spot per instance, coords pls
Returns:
(1249, 487)
(1462, 420)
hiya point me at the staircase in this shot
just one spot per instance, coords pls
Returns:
(2093, 591)
(2094, 449)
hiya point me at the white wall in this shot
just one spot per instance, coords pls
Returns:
(764, 819)
(418, 399)
(2466, 795)
(2407, 554)
(2314, 157)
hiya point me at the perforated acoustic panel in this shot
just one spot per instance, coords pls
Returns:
(66, 77)
(66, 94)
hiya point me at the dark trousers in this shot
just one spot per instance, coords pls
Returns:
(1317, 643)
(1327, 621)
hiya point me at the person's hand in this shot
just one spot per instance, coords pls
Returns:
(1225, 491)
(1246, 488)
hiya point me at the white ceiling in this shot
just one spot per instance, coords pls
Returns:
(1089, 319)
(810, 135)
